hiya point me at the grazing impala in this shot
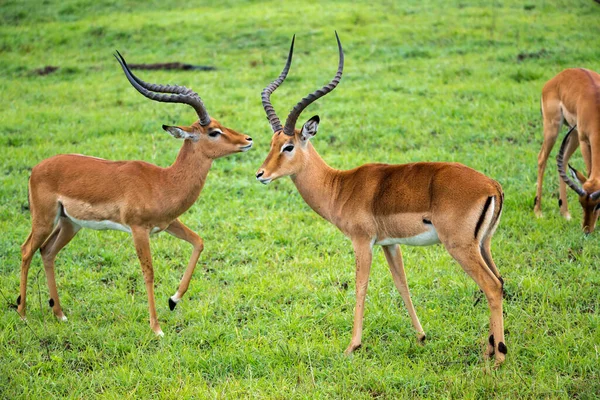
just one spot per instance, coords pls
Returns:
(573, 98)
(70, 191)
(380, 204)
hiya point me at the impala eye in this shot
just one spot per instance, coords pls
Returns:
(288, 148)
(214, 134)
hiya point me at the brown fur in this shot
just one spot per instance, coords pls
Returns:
(135, 194)
(380, 201)
(573, 97)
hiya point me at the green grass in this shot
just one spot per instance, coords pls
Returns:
(269, 310)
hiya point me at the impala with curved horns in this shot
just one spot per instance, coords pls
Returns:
(380, 204)
(71, 191)
(573, 98)
(590, 202)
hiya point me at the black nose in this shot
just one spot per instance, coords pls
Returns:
(259, 174)
(248, 138)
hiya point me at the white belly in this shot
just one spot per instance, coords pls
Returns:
(103, 225)
(422, 239)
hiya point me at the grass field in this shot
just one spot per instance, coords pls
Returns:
(269, 310)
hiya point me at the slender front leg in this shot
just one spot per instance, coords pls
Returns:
(179, 230)
(141, 239)
(552, 123)
(363, 251)
(562, 186)
(393, 256)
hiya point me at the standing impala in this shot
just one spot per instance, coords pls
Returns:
(70, 191)
(380, 204)
(573, 97)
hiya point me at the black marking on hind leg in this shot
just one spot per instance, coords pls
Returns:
(491, 340)
(502, 348)
(535, 201)
(560, 202)
(478, 299)
(481, 218)
(51, 302)
(19, 300)
(61, 211)
(172, 304)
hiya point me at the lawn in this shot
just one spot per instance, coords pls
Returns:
(269, 310)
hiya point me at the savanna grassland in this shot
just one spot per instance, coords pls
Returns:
(269, 310)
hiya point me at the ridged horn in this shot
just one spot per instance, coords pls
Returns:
(178, 94)
(266, 93)
(290, 122)
(561, 168)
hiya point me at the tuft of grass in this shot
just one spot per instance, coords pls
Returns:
(269, 310)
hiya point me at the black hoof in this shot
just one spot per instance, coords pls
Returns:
(172, 304)
(19, 300)
(51, 302)
(502, 348)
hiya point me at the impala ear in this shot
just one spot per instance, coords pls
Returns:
(577, 175)
(310, 128)
(179, 133)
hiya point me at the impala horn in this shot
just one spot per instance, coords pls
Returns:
(290, 122)
(266, 93)
(561, 168)
(177, 94)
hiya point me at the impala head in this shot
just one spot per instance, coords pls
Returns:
(207, 134)
(589, 195)
(289, 146)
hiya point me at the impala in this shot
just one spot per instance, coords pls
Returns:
(380, 204)
(573, 98)
(71, 191)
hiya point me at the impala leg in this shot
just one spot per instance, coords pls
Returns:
(562, 186)
(487, 257)
(141, 239)
(393, 256)
(41, 228)
(552, 123)
(62, 235)
(364, 254)
(586, 152)
(179, 230)
(474, 265)
(486, 253)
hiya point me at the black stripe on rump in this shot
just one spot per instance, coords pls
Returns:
(482, 217)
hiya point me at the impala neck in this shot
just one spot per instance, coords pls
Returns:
(318, 184)
(188, 173)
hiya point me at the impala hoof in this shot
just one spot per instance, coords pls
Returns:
(172, 304)
(350, 349)
(159, 333)
(421, 337)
